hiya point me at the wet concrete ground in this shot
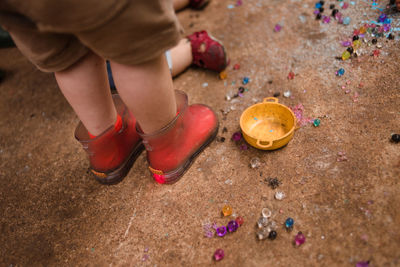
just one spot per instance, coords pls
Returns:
(55, 214)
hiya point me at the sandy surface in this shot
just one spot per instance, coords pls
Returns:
(55, 214)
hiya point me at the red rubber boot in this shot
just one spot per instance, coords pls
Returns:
(208, 52)
(171, 150)
(112, 153)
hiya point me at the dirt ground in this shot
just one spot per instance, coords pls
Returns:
(53, 213)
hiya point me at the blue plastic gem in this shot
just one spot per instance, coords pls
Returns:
(289, 223)
(382, 18)
(246, 80)
(346, 20)
(340, 72)
(318, 5)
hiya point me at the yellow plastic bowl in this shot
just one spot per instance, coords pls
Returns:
(268, 125)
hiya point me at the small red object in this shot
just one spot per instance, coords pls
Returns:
(240, 220)
(236, 66)
(376, 53)
(290, 75)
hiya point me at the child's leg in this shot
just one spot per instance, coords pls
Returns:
(85, 86)
(148, 92)
(179, 4)
(181, 56)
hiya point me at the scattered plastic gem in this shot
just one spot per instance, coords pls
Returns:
(317, 122)
(262, 234)
(318, 17)
(243, 147)
(266, 212)
(346, 43)
(277, 28)
(236, 66)
(345, 5)
(346, 20)
(255, 163)
(230, 6)
(204, 84)
(272, 235)
(382, 18)
(390, 36)
(262, 222)
(239, 3)
(334, 12)
(346, 55)
(273, 182)
(271, 226)
(219, 254)
(356, 44)
(340, 72)
(289, 223)
(279, 195)
(321, 9)
(291, 75)
(239, 220)
(287, 94)
(350, 49)
(299, 239)
(362, 30)
(245, 80)
(223, 75)
(318, 5)
(395, 138)
(232, 226)
(362, 264)
(332, 6)
(376, 53)
(221, 231)
(326, 19)
(237, 136)
(241, 89)
(227, 210)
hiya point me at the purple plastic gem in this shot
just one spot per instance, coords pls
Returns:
(326, 19)
(316, 12)
(382, 18)
(277, 28)
(232, 226)
(346, 43)
(299, 239)
(221, 231)
(237, 136)
(219, 254)
(362, 264)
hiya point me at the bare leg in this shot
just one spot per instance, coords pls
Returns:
(179, 4)
(181, 56)
(148, 92)
(85, 86)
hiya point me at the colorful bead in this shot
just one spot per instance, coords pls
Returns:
(363, 30)
(237, 136)
(299, 239)
(223, 75)
(279, 195)
(277, 28)
(289, 223)
(376, 53)
(356, 44)
(245, 80)
(262, 234)
(227, 210)
(316, 122)
(350, 49)
(232, 226)
(262, 222)
(219, 254)
(236, 66)
(346, 20)
(318, 5)
(340, 72)
(239, 220)
(395, 138)
(346, 55)
(221, 231)
(290, 75)
(326, 19)
(272, 235)
(356, 37)
(362, 264)
(266, 212)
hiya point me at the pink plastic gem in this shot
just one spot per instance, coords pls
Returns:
(219, 254)
(326, 19)
(277, 28)
(376, 53)
(236, 66)
(299, 239)
(290, 75)
(345, 5)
